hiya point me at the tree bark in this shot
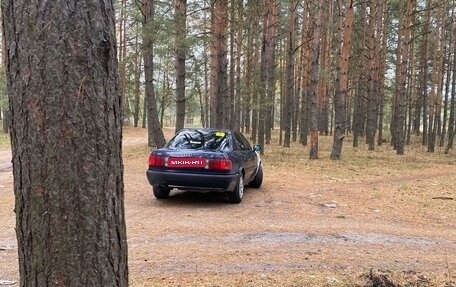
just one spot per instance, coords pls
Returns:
(382, 20)
(450, 142)
(359, 109)
(342, 87)
(424, 72)
(253, 18)
(6, 121)
(314, 78)
(452, 121)
(144, 115)
(4, 110)
(403, 70)
(304, 112)
(266, 71)
(122, 54)
(256, 84)
(289, 97)
(137, 81)
(232, 67)
(181, 35)
(372, 98)
(238, 76)
(324, 84)
(446, 100)
(437, 79)
(154, 130)
(66, 143)
(219, 65)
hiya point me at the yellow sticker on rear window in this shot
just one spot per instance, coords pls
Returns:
(220, 134)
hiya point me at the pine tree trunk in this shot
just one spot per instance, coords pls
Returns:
(239, 42)
(451, 120)
(5, 111)
(144, 115)
(324, 85)
(450, 142)
(410, 87)
(271, 78)
(304, 117)
(155, 132)
(248, 82)
(219, 65)
(403, 69)
(181, 35)
(424, 72)
(314, 78)
(137, 82)
(122, 60)
(359, 109)
(6, 121)
(66, 143)
(372, 100)
(207, 87)
(250, 94)
(266, 71)
(341, 93)
(281, 90)
(437, 79)
(201, 102)
(255, 91)
(289, 97)
(382, 20)
(446, 97)
(232, 67)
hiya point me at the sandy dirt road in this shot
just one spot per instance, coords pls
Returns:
(5, 159)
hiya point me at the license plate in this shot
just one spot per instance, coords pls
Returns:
(186, 162)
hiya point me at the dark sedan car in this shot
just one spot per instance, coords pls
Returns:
(205, 159)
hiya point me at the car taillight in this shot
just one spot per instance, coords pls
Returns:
(155, 160)
(220, 164)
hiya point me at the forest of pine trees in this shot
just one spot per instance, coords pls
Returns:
(72, 74)
(380, 71)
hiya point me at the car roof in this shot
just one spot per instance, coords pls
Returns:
(206, 130)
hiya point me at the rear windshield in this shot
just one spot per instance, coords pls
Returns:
(199, 139)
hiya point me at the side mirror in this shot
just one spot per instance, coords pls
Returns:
(256, 147)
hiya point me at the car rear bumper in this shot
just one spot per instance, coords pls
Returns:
(180, 180)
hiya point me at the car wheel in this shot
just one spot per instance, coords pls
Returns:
(258, 180)
(161, 192)
(238, 192)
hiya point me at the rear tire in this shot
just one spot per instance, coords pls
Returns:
(258, 180)
(161, 192)
(238, 192)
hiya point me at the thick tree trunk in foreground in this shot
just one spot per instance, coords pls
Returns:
(66, 142)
